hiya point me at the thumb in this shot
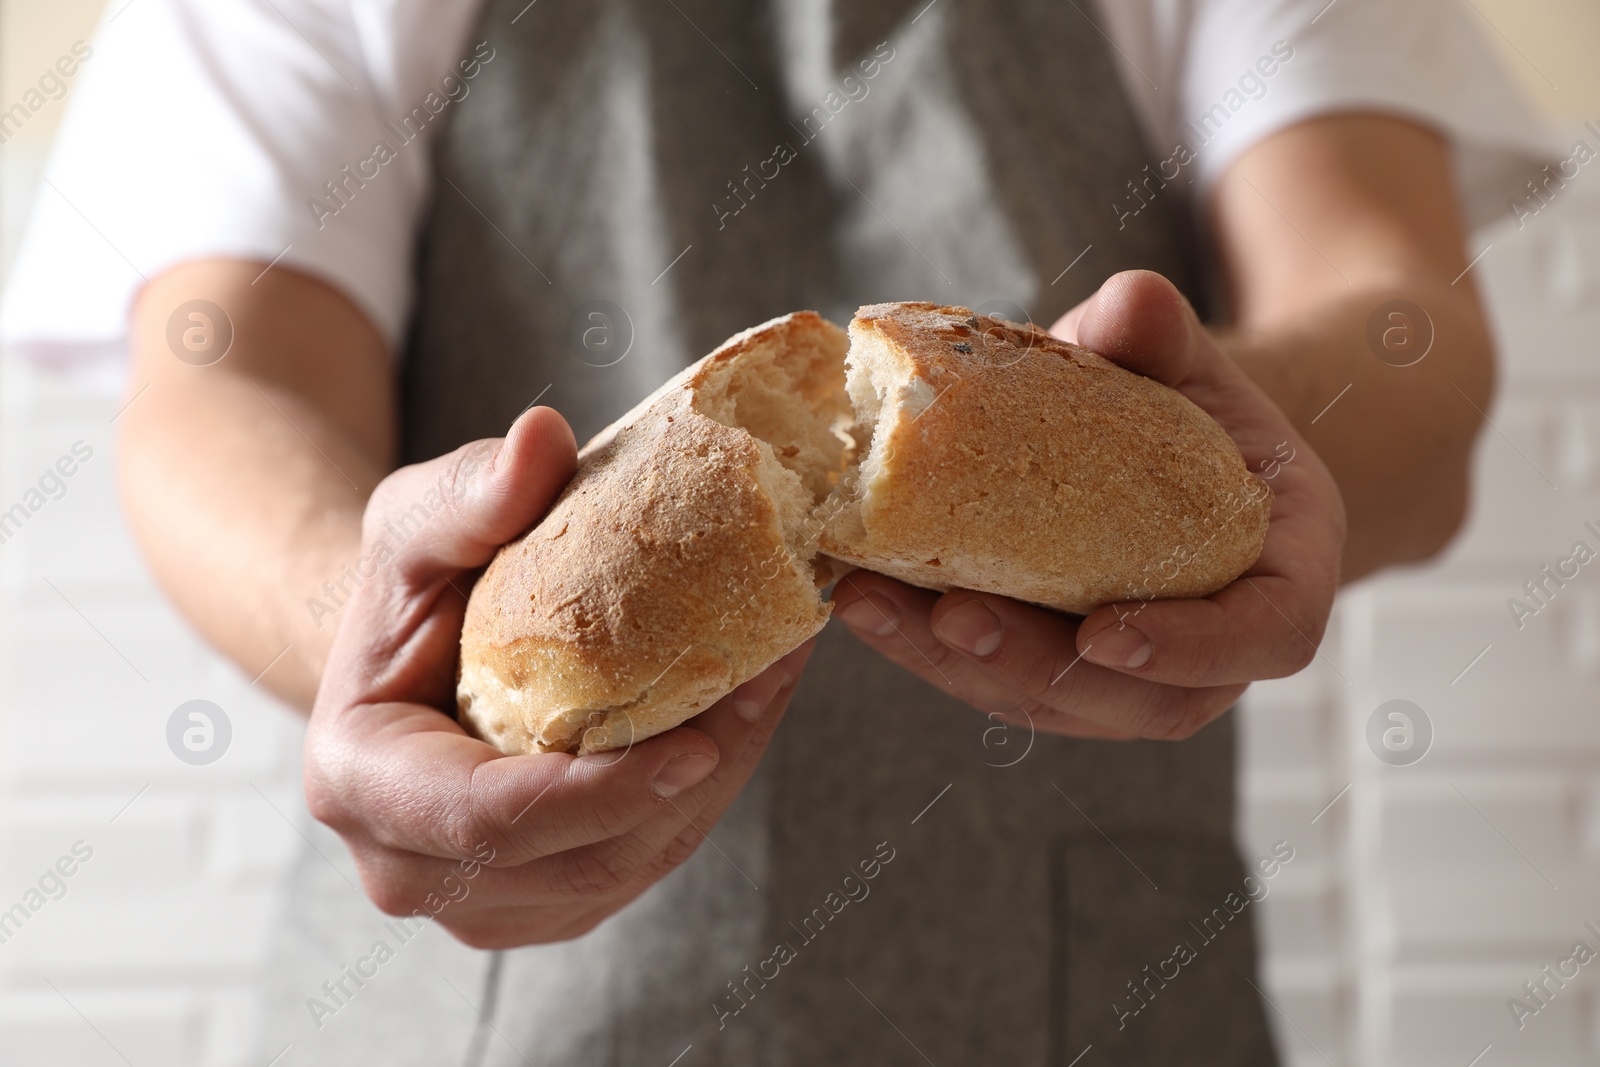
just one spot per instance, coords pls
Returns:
(451, 513)
(1140, 321)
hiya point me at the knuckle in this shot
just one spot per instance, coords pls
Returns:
(1302, 656)
(475, 828)
(324, 800)
(466, 831)
(493, 934)
(1038, 678)
(580, 927)
(391, 896)
(590, 872)
(612, 817)
(466, 467)
(1177, 716)
(678, 850)
(383, 502)
(1177, 728)
(480, 937)
(945, 660)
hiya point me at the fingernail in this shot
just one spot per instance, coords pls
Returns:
(749, 710)
(1119, 645)
(970, 627)
(681, 773)
(871, 614)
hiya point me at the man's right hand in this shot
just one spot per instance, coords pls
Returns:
(545, 846)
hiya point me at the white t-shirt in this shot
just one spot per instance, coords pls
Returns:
(205, 128)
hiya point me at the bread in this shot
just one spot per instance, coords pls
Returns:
(676, 564)
(1005, 460)
(956, 450)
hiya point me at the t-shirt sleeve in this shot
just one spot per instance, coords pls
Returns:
(292, 132)
(1218, 76)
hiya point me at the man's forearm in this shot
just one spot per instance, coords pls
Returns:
(1318, 228)
(245, 480)
(1397, 438)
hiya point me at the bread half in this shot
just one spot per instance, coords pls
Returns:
(940, 447)
(1001, 459)
(677, 564)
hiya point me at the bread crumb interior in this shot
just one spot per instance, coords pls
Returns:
(792, 399)
(817, 410)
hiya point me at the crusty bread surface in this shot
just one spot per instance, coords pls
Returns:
(945, 449)
(1008, 461)
(664, 576)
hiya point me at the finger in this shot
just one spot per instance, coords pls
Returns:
(493, 929)
(891, 617)
(404, 777)
(405, 883)
(1066, 327)
(453, 512)
(401, 881)
(752, 699)
(1024, 659)
(686, 820)
(408, 778)
(423, 526)
(1027, 648)
(742, 737)
(1268, 625)
(483, 907)
(1061, 724)
(1139, 320)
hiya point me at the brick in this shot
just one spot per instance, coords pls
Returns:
(1454, 884)
(156, 841)
(249, 842)
(1283, 734)
(1430, 820)
(1307, 1009)
(103, 722)
(1526, 696)
(231, 1018)
(1448, 1014)
(39, 1029)
(176, 931)
(1516, 516)
(1278, 806)
(80, 541)
(1297, 926)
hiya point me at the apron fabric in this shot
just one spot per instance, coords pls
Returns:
(904, 880)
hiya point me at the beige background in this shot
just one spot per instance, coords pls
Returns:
(1553, 46)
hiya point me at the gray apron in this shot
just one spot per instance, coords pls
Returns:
(903, 881)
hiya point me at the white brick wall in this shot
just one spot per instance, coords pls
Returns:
(154, 949)
(1418, 903)
(1438, 889)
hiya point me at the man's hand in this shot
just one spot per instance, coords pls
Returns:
(1158, 669)
(503, 850)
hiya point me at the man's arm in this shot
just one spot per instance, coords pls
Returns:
(245, 480)
(248, 482)
(1317, 228)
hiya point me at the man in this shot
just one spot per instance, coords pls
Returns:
(888, 875)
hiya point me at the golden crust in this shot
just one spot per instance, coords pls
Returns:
(1008, 461)
(659, 581)
(681, 559)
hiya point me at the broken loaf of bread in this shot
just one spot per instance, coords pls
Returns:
(940, 447)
